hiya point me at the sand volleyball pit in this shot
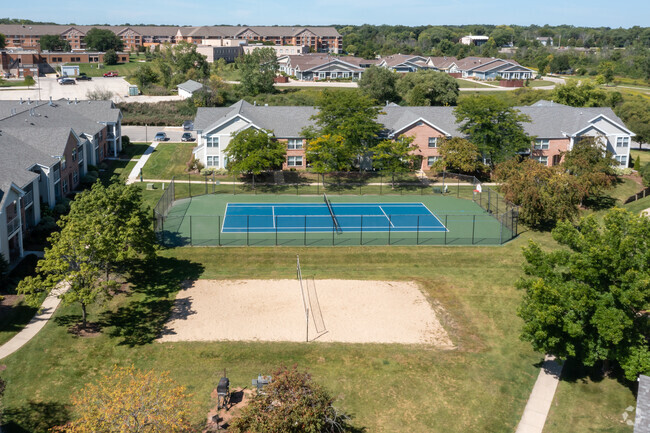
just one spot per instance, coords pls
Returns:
(347, 311)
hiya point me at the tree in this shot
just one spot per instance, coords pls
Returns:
(584, 94)
(395, 156)
(292, 402)
(459, 155)
(593, 170)
(254, 151)
(110, 57)
(145, 75)
(258, 70)
(103, 40)
(606, 69)
(128, 400)
(54, 43)
(493, 126)
(379, 84)
(636, 115)
(349, 114)
(2, 40)
(329, 153)
(590, 300)
(428, 88)
(637, 163)
(29, 81)
(545, 194)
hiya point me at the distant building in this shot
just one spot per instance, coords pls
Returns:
(545, 40)
(280, 50)
(187, 89)
(474, 40)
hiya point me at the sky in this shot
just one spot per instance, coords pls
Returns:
(590, 13)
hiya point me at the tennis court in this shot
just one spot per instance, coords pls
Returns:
(325, 217)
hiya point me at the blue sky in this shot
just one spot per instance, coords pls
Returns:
(594, 13)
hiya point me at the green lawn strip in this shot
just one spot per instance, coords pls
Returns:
(643, 154)
(481, 386)
(587, 402)
(639, 205)
(540, 83)
(123, 69)
(13, 320)
(624, 189)
(473, 84)
(168, 160)
(134, 150)
(12, 83)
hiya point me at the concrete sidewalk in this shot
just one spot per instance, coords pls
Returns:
(135, 173)
(36, 324)
(539, 402)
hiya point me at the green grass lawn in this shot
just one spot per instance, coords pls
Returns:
(472, 84)
(13, 83)
(123, 69)
(134, 150)
(540, 83)
(644, 155)
(168, 160)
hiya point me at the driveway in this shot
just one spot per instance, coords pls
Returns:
(47, 87)
(145, 134)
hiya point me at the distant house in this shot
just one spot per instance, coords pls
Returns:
(187, 89)
(314, 67)
(545, 40)
(484, 68)
(474, 40)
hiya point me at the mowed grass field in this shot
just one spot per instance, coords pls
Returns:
(168, 160)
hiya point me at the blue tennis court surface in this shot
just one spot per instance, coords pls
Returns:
(315, 217)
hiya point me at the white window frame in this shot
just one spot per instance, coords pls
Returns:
(294, 143)
(212, 161)
(432, 160)
(64, 185)
(322, 75)
(346, 75)
(75, 177)
(541, 159)
(621, 159)
(542, 144)
(334, 75)
(623, 141)
(74, 155)
(432, 141)
(63, 162)
(212, 141)
(294, 161)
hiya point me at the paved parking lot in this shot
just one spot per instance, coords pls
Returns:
(47, 87)
(145, 134)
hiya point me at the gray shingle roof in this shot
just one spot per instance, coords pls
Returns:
(642, 416)
(190, 86)
(547, 121)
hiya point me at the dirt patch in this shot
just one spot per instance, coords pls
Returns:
(273, 310)
(92, 329)
(221, 418)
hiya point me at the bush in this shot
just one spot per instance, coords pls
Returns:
(110, 57)
(89, 179)
(125, 141)
(44, 229)
(207, 171)
(645, 174)
(623, 171)
(194, 165)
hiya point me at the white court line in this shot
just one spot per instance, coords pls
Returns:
(273, 215)
(389, 221)
(435, 216)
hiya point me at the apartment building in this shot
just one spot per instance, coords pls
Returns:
(556, 128)
(45, 150)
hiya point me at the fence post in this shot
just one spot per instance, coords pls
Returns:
(458, 188)
(381, 183)
(473, 226)
(417, 235)
(497, 204)
(234, 187)
(305, 233)
(501, 233)
(446, 229)
(489, 199)
(189, 184)
(219, 230)
(191, 239)
(162, 230)
(247, 227)
(276, 230)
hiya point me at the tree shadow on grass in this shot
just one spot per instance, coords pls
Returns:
(34, 417)
(575, 371)
(153, 284)
(599, 202)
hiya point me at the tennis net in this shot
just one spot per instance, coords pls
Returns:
(337, 227)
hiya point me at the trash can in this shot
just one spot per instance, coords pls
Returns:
(133, 90)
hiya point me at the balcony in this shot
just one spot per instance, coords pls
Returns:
(13, 225)
(28, 199)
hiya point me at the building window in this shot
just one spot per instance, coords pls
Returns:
(541, 144)
(64, 182)
(74, 154)
(321, 75)
(101, 135)
(63, 163)
(431, 160)
(213, 161)
(294, 143)
(346, 75)
(212, 141)
(621, 159)
(334, 74)
(622, 141)
(541, 159)
(294, 161)
(75, 178)
(433, 141)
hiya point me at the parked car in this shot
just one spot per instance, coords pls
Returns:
(160, 136)
(111, 74)
(188, 125)
(66, 80)
(84, 77)
(187, 136)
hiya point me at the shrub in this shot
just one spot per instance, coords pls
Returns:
(110, 57)
(194, 165)
(623, 171)
(207, 171)
(125, 141)
(645, 174)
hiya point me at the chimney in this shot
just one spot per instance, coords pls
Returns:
(75, 101)
(21, 100)
(29, 101)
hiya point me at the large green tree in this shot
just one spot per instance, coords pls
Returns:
(54, 43)
(379, 84)
(350, 114)
(328, 153)
(110, 57)
(593, 169)
(493, 126)
(291, 403)
(102, 40)
(458, 155)
(258, 70)
(428, 88)
(254, 151)
(589, 301)
(583, 94)
(635, 112)
(395, 156)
